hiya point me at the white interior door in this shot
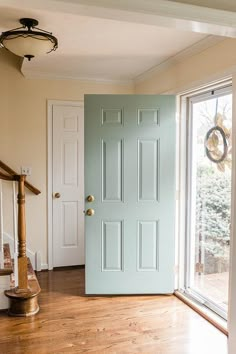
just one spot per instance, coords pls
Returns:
(67, 185)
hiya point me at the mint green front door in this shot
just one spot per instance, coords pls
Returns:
(130, 171)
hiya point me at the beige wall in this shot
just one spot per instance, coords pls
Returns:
(211, 64)
(23, 133)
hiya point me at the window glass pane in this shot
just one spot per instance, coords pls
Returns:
(211, 198)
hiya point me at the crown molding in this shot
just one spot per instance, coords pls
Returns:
(196, 48)
(153, 12)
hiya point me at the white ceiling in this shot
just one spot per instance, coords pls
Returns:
(96, 48)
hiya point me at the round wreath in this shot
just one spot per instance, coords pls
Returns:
(215, 151)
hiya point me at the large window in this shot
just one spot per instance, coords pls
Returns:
(209, 198)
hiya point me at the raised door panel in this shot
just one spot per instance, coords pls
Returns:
(148, 246)
(148, 117)
(112, 117)
(70, 164)
(69, 224)
(148, 169)
(112, 170)
(112, 246)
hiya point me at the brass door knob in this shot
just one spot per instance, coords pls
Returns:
(90, 198)
(90, 212)
(57, 195)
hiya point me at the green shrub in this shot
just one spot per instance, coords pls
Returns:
(213, 197)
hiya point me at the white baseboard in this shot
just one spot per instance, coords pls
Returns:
(4, 285)
(44, 266)
(38, 265)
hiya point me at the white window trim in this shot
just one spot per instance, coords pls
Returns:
(182, 183)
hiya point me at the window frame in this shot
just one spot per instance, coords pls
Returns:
(185, 184)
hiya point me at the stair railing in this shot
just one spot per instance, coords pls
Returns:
(21, 278)
(11, 172)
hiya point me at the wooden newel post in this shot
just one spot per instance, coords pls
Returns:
(24, 297)
(22, 258)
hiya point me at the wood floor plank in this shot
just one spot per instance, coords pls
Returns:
(70, 322)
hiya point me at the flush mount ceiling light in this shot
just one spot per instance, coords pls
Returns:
(28, 41)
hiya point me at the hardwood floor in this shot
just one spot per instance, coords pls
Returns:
(70, 322)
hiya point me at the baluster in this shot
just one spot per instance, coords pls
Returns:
(15, 233)
(1, 228)
(22, 259)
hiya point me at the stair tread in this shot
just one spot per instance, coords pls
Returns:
(8, 265)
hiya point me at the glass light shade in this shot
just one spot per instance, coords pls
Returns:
(33, 45)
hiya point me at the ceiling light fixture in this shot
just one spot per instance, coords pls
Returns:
(28, 41)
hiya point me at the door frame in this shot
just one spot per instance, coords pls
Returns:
(225, 88)
(182, 166)
(50, 104)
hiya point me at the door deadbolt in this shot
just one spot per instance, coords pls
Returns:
(90, 198)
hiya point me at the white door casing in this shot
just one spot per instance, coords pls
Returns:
(66, 177)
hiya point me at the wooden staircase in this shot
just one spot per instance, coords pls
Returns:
(7, 265)
(23, 297)
(6, 272)
(27, 307)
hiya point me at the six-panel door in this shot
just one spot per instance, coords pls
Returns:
(68, 185)
(130, 170)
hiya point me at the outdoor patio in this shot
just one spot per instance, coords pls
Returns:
(213, 286)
